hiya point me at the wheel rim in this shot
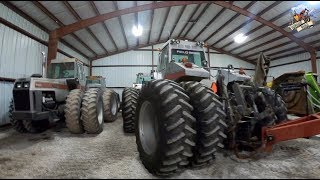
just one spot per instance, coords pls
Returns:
(100, 111)
(147, 127)
(114, 105)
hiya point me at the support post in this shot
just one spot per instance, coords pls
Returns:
(313, 56)
(90, 68)
(52, 47)
(208, 49)
(152, 57)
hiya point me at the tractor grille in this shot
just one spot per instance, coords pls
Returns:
(21, 100)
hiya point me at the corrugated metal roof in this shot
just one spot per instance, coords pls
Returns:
(85, 10)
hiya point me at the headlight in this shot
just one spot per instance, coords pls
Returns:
(201, 44)
(176, 41)
(19, 85)
(26, 85)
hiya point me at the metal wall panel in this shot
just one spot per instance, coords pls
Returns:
(277, 71)
(17, 20)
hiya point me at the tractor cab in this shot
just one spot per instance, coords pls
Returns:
(141, 79)
(182, 60)
(66, 68)
(95, 82)
(70, 69)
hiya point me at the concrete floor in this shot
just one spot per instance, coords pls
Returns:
(58, 154)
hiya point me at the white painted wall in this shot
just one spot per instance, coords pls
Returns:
(125, 76)
(20, 56)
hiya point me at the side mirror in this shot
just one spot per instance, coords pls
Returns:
(205, 63)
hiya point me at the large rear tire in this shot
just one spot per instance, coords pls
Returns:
(110, 105)
(73, 111)
(163, 135)
(129, 105)
(211, 125)
(16, 124)
(92, 111)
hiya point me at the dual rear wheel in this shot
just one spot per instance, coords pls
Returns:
(87, 111)
(177, 126)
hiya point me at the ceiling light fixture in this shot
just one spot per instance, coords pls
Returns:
(313, 2)
(137, 31)
(240, 38)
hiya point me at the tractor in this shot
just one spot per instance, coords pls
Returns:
(110, 97)
(179, 121)
(61, 95)
(129, 101)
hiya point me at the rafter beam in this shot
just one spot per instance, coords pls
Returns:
(177, 20)
(164, 22)
(76, 15)
(125, 50)
(275, 39)
(248, 21)
(227, 23)
(253, 30)
(223, 52)
(277, 46)
(55, 19)
(34, 22)
(192, 14)
(95, 9)
(258, 28)
(121, 24)
(292, 48)
(302, 44)
(151, 21)
(209, 23)
(62, 31)
(197, 19)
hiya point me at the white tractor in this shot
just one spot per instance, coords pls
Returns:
(38, 100)
(129, 100)
(179, 121)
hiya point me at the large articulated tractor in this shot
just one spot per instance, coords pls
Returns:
(180, 121)
(39, 100)
(110, 97)
(129, 100)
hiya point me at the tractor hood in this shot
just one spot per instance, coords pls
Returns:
(176, 70)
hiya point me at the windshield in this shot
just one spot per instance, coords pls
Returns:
(195, 57)
(62, 70)
(97, 81)
(142, 80)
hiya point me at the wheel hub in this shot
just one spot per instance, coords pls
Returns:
(100, 111)
(148, 128)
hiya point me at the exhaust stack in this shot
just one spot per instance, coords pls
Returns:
(44, 64)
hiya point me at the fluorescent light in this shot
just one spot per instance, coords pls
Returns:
(240, 38)
(313, 2)
(137, 31)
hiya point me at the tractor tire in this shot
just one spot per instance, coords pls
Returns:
(211, 122)
(16, 124)
(164, 132)
(110, 105)
(281, 110)
(92, 111)
(73, 111)
(129, 105)
(36, 126)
